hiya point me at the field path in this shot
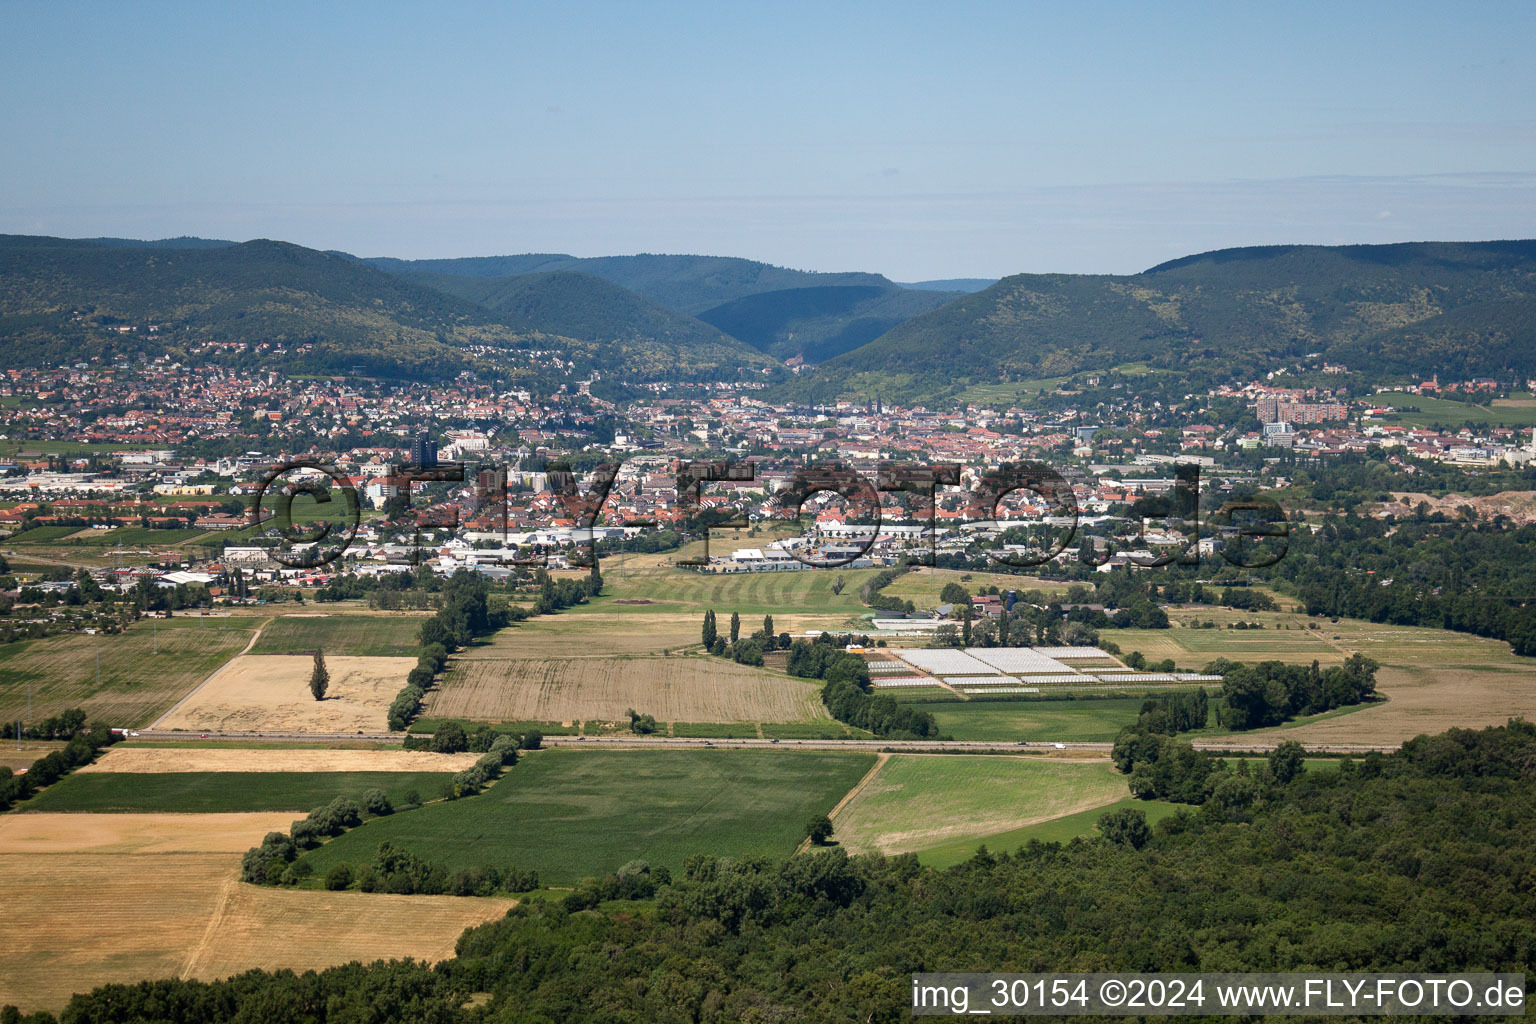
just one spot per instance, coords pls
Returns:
(212, 675)
(869, 776)
(215, 925)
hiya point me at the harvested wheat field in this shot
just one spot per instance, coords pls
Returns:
(78, 920)
(672, 689)
(1426, 699)
(52, 833)
(75, 921)
(161, 760)
(14, 757)
(270, 693)
(257, 927)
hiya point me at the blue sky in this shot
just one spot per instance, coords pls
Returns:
(920, 141)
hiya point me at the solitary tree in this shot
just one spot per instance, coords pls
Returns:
(710, 632)
(319, 678)
(1125, 827)
(819, 830)
(735, 626)
(768, 626)
(1286, 761)
(965, 628)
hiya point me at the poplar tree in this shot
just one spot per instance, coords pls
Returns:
(319, 678)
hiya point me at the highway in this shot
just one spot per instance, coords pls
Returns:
(1043, 746)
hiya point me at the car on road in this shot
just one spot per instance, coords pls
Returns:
(1059, 746)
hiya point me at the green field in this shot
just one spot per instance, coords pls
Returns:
(134, 537)
(753, 594)
(17, 447)
(1083, 721)
(921, 695)
(922, 586)
(571, 814)
(213, 792)
(713, 730)
(829, 730)
(126, 680)
(342, 633)
(917, 801)
(42, 535)
(1424, 410)
(1055, 830)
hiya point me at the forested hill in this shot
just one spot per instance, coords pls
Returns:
(689, 284)
(273, 304)
(1456, 309)
(589, 309)
(784, 313)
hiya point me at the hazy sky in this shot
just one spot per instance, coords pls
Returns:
(920, 141)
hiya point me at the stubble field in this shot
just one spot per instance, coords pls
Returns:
(162, 760)
(673, 689)
(270, 693)
(1433, 679)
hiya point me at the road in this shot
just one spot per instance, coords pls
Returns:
(1214, 746)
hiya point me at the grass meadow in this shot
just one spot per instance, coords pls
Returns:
(1083, 721)
(1054, 830)
(126, 680)
(385, 635)
(916, 801)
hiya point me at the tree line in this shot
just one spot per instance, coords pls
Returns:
(84, 743)
(278, 859)
(847, 693)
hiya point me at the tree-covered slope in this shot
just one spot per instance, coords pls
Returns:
(65, 299)
(784, 313)
(818, 323)
(272, 304)
(1420, 308)
(611, 318)
(689, 284)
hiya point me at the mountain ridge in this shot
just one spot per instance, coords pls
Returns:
(1406, 308)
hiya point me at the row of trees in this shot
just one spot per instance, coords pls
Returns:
(1175, 712)
(1272, 692)
(84, 743)
(746, 650)
(277, 861)
(404, 873)
(847, 695)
